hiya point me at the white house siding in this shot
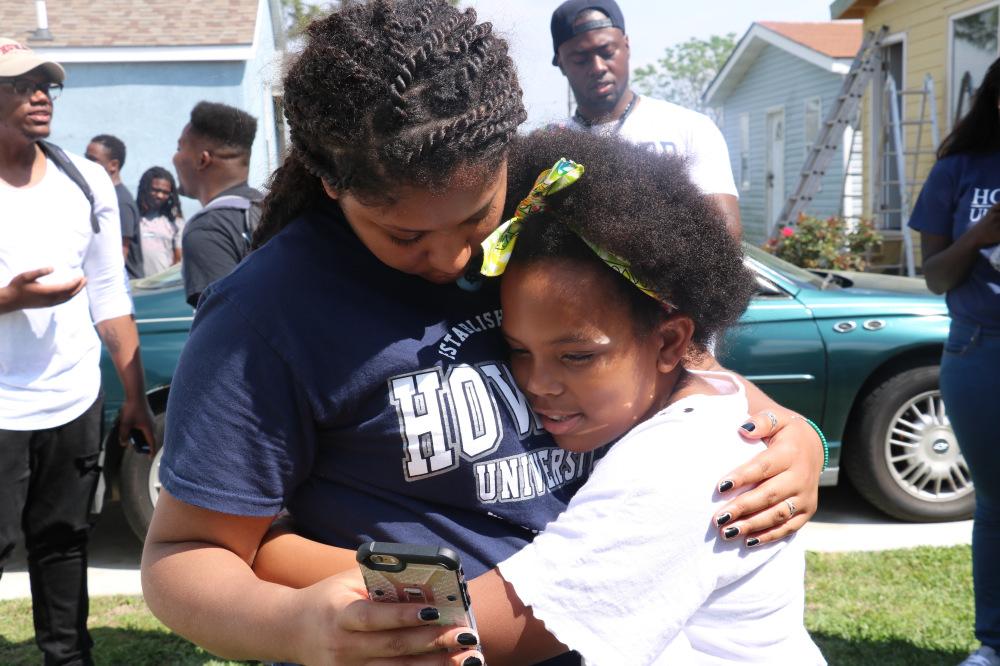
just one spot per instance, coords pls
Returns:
(261, 78)
(778, 79)
(854, 190)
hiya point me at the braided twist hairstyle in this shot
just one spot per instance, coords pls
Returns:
(389, 93)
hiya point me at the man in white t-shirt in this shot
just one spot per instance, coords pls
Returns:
(592, 51)
(62, 274)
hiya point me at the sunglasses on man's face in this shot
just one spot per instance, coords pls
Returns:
(29, 87)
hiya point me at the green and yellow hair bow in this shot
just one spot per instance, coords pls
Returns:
(498, 246)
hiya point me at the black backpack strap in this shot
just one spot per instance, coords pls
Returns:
(251, 214)
(61, 160)
(251, 220)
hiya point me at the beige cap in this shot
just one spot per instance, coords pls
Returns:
(17, 59)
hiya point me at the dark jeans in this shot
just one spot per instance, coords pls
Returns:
(970, 386)
(47, 482)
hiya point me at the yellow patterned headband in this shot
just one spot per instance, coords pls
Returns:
(498, 246)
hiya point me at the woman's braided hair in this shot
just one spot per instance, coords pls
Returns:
(389, 93)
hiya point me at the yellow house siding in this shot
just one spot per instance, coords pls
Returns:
(925, 26)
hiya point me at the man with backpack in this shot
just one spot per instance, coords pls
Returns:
(212, 164)
(61, 276)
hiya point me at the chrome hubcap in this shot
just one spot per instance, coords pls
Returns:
(153, 482)
(922, 452)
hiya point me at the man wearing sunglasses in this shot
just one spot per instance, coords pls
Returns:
(61, 275)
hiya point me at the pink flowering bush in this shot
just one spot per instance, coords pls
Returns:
(826, 243)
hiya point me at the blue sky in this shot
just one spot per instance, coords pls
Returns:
(652, 25)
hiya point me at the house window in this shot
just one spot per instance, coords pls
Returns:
(974, 48)
(811, 121)
(744, 151)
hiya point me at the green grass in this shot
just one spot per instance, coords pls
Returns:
(903, 607)
(123, 629)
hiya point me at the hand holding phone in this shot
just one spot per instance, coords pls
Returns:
(406, 573)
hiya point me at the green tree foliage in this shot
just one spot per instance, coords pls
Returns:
(300, 13)
(685, 70)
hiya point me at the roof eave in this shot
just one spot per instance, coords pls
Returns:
(749, 47)
(851, 9)
(708, 97)
(96, 54)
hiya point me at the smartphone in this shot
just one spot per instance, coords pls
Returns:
(138, 441)
(405, 573)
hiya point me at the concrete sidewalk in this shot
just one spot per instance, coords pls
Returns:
(114, 561)
(844, 523)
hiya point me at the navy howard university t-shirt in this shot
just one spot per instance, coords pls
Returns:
(369, 403)
(958, 193)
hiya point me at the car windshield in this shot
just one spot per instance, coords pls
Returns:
(170, 277)
(789, 270)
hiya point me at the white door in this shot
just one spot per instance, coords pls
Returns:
(775, 179)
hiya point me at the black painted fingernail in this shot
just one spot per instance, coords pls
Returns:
(749, 426)
(429, 614)
(725, 485)
(731, 532)
(473, 661)
(468, 639)
(723, 519)
(752, 541)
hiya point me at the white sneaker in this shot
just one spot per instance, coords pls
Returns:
(984, 656)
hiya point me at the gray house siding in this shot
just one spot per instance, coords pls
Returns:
(778, 79)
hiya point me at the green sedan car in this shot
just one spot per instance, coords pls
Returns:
(858, 353)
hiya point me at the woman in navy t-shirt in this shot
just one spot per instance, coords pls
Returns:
(347, 372)
(958, 217)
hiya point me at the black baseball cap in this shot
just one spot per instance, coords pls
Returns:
(564, 16)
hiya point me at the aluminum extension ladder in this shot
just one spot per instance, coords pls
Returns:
(897, 182)
(867, 63)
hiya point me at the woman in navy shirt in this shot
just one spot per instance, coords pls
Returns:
(958, 217)
(346, 371)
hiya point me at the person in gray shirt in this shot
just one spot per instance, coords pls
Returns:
(212, 163)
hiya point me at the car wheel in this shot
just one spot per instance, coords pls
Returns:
(140, 483)
(902, 455)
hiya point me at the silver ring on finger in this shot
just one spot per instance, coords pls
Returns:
(773, 419)
(791, 507)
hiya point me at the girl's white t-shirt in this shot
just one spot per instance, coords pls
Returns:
(634, 572)
(50, 357)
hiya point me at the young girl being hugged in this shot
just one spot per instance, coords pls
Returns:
(623, 274)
